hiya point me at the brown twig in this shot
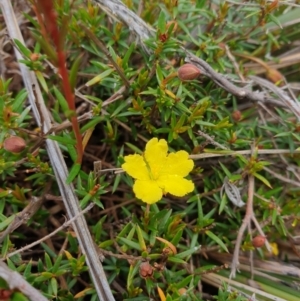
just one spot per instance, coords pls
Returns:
(211, 140)
(16, 281)
(249, 215)
(66, 224)
(23, 216)
(245, 223)
(281, 178)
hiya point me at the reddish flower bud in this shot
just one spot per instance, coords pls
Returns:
(188, 72)
(34, 56)
(182, 291)
(5, 294)
(258, 241)
(14, 144)
(146, 269)
(236, 115)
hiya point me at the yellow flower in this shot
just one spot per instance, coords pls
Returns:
(156, 172)
(274, 248)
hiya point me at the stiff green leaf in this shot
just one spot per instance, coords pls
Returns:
(99, 78)
(73, 172)
(42, 81)
(130, 243)
(62, 101)
(62, 140)
(216, 239)
(23, 49)
(263, 179)
(74, 72)
(141, 238)
(186, 254)
(161, 25)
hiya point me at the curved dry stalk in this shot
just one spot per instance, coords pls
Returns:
(16, 281)
(67, 191)
(245, 224)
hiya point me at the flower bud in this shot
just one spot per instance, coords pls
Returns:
(34, 56)
(182, 291)
(188, 72)
(236, 115)
(258, 241)
(14, 144)
(146, 269)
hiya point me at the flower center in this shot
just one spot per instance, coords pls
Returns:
(154, 171)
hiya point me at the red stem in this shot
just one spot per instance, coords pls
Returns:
(50, 22)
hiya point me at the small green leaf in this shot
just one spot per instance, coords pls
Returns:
(161, 24)
(99, 78)
(176, 260)
(42, 81)
(63, 140)
(73, 172)
(54, 286)
(92, 123)
(262, 178)
(23, 49)
(130, 243)
(127, 55)
(186, 254)
(17, 296)
(134, 148)
(62, 101)
(48, 261)
(216, 239)
(141, 238)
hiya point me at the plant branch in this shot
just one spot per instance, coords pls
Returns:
(67, 191)
(98, 43)
(249, 213)
(50, 22)
(16, 281)
(23, 216)
(66, 224)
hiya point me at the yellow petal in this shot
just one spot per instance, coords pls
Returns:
(156, 155)
(175, 185)
(136, 167)
(178, 164)
(147, 191)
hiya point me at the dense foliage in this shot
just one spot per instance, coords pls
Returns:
(127, 90)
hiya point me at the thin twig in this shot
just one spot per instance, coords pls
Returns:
(234, 63)
(281, 178)
(211, 140)
(246, 221)
(224, 83)
(293, 105)
(16, 282)
(66, 224)
(23, 216)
